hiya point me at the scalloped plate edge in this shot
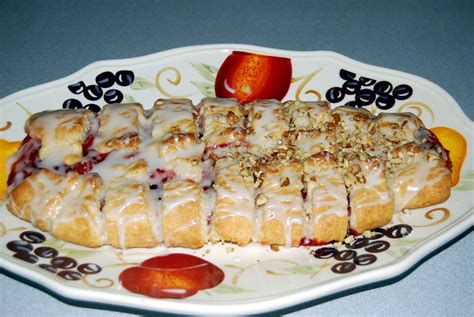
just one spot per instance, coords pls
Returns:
(260, 305)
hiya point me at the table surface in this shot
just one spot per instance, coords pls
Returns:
(42, 41)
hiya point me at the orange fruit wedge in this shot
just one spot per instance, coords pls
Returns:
(7, 148)
(455, 143)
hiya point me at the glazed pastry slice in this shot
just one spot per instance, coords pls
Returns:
(280, 210)
(311, 128)
(396, 128)
(308, 143)
(419, 177)
(267, 127)
(61, 134)
(175, 147)
(119, 128)
(370, 197)
(66, 206)
(308, 115)
(222, 123)
(233, 215)
(184, 215)
(354, 129)
(131, 220)
(181, 154)
(326, 200)
(172, 117)
(117, 167)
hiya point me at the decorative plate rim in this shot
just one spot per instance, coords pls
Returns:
(229, 47)
(263, 304)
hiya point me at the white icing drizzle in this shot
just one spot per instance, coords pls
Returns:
(222, 122)
(231, 186)
(117, 121)
(308, 115)
(329, 193)
(348, 123)
(168, 116)
(411, 178)
(54, 129)
(128, 203)
(373, 178)
(267, 120)
(171, 147)
(408, 126)
(62, 199)
(284, 204)
(177, 194)
(312, 142)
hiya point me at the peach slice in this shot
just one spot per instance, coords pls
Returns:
(455, 143)
(7, 148)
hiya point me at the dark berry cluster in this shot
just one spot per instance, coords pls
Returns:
(104, 81)
(62, 266)
(349, 259)
(367, 90)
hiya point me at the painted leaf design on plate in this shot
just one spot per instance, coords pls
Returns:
(77, 254)
(230, 289)
(207, 71)
(396, 253)
(302, 269)
(3, 229)
(467, 182)
(207, 89)
(129, 99)
(141, 83)
(53, 243)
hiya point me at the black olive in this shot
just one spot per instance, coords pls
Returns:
(383, 88)
(351, 87)
(77, 88)
(93, 92)
(105, 79)
(346, 75)
(46, 252)
(27, 257)
(32, 237)
(402, 92)
(72, 104)
(364, 97)
(19, 246)
(335, 94)
(63, 262)
(92, 107)
(113, 96)
(384, 102)
(366, 81)
(124, 77)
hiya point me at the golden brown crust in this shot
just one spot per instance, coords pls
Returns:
(267, 142)
(399, 128)
(370, 197)
(173, 117)
(119, 127)
(78, 231)
(326, 193)
(61, 133)
(281, 211)
(330, 227)
(44, 199)
(420, 178)
(236, 229)
(234, 204)
(370, 217)
(129, 216)
(182, 222)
